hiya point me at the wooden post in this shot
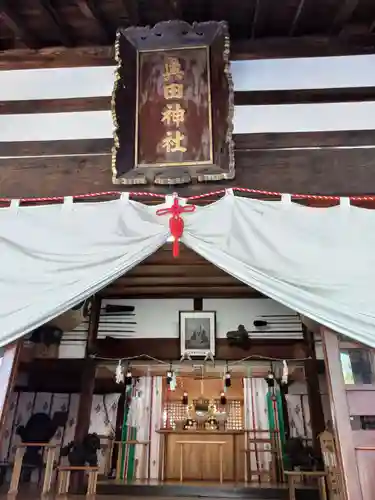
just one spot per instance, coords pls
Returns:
(313, 390)
(340, 415)
(8, 373)
(87, 386)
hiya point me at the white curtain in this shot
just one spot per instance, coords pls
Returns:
(299, 415)
(54, 256)
(256, 421)
(156, 405)
(103, 422)
(139, 417)
(318, 261)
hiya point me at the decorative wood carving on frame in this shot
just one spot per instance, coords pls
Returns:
(172, 104)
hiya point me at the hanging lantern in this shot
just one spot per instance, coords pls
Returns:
(170, 376)
(270, 379)
(185, 398)
(227, 380)
(223, 399)
(128, 377)
(119, 377)
(284, 377)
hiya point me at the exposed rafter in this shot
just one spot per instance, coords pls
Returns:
(255, 18)
(344, 14)
(54, 18)
(261, 15)
(175, 9)
(132, 11)
(296, 18)
(265, 48)
(90, 10)
(15, 24)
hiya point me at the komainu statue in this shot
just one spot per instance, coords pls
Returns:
(85, 453)
(40, 428)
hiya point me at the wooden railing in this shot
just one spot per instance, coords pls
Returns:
(263, 456)
(119, 449)
(17, 468)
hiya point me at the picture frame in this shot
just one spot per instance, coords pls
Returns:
(197, 333)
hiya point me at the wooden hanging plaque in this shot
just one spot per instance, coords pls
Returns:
(173, 104)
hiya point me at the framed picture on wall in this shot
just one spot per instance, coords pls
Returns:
(197, 333)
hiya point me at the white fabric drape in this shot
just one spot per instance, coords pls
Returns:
(319, 262)
(256, 422)
(54, 256)
(155, 437)
(139, 418)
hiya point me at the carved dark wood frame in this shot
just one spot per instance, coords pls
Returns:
(163, 36)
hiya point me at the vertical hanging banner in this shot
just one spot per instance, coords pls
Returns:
(172, 104)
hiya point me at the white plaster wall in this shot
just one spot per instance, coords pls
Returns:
(159, 318)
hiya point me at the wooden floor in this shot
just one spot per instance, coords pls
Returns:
(202, 489)
(107, 490)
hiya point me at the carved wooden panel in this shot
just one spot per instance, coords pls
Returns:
(172, 104)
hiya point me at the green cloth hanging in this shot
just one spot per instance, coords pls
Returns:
(126, 435)
(131, 456)
(276, 422)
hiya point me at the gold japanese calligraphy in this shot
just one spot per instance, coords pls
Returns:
(172, 69)
(173, 115)
(173, 91)
(172, 142)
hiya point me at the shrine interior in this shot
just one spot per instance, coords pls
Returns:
(258, 395)
(177, 379)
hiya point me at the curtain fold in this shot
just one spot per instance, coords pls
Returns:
(54, 256)
(319, 262)
(155, 437)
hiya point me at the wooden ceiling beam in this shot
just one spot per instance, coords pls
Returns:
(54, 18)
(171, 270)
(90, 10)
(264, 48)
(132, 11)
(17, 26)
(135, 281)
(343, 15)
(307, 46)
(180, 291)
(261, 12)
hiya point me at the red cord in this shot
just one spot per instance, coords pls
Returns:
(142, 194)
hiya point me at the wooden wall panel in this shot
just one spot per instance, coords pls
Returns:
(324, 171)
(272, 153)
(212, 387)
(169, 349)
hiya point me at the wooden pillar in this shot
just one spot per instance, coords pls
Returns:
(340, 415)
(8, 374)
(313, 390)
(87, 385)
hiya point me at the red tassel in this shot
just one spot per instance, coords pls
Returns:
(176, 223)
(176, 227)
